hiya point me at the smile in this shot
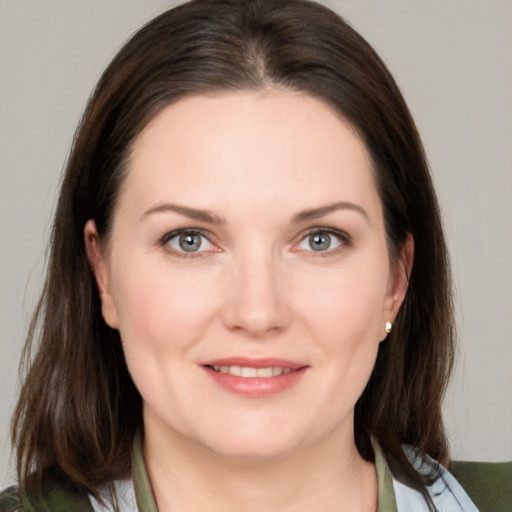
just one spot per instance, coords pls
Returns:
(251, 372)
(255, 378)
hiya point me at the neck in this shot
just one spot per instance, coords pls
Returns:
(329, 476)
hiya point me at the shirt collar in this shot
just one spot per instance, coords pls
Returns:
(146, 500)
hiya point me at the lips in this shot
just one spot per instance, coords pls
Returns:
(255, 377)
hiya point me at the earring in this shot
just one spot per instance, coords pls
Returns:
(389, 326)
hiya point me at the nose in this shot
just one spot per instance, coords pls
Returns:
(256, 300)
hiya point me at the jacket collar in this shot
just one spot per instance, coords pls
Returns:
(386, 492)
(142, 486)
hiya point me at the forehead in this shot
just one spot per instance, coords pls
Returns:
(277, 146)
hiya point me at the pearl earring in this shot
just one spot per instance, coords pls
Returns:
(389, 326)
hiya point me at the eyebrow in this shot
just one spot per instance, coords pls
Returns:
(210, 218)
(191, 213)
(316, 213)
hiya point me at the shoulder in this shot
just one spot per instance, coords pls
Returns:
(9, 500)
(445, 493)
(465, 486)
(55, 497)
(489, 484)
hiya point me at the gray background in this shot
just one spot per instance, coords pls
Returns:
(453, 61)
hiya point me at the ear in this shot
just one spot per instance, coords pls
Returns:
(99, 267)
(399, 282)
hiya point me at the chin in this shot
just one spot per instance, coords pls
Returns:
(254, 444)
(250, 450)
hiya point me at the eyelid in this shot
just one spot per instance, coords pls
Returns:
(344, 238)
(167, 237)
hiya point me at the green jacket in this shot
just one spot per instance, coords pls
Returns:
(489, 485)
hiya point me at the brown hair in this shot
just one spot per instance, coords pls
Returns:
(78, 410)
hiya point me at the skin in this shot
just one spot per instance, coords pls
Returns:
(256, 161)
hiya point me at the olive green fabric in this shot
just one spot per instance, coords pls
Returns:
(9, 501)
(143, 492)
(386, 492)
(55, 497)
(488, 484)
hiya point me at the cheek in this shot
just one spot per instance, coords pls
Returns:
(347, 325)
(345, 305)
(344, 317)
(159, 308)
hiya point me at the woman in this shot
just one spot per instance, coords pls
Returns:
(247, 302)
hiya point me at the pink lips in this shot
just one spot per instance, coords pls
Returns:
(254, 377)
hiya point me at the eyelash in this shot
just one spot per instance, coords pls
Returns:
(344, 239)
(164, 241)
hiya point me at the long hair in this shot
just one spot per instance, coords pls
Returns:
(78, 410)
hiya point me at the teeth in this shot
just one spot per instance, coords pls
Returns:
(265, 372)
(234, 370)
(248, 371)
(245, 371)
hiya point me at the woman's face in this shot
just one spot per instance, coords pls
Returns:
(247, 272)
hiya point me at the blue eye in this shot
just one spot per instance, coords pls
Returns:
(321, 241)
(189, 242)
